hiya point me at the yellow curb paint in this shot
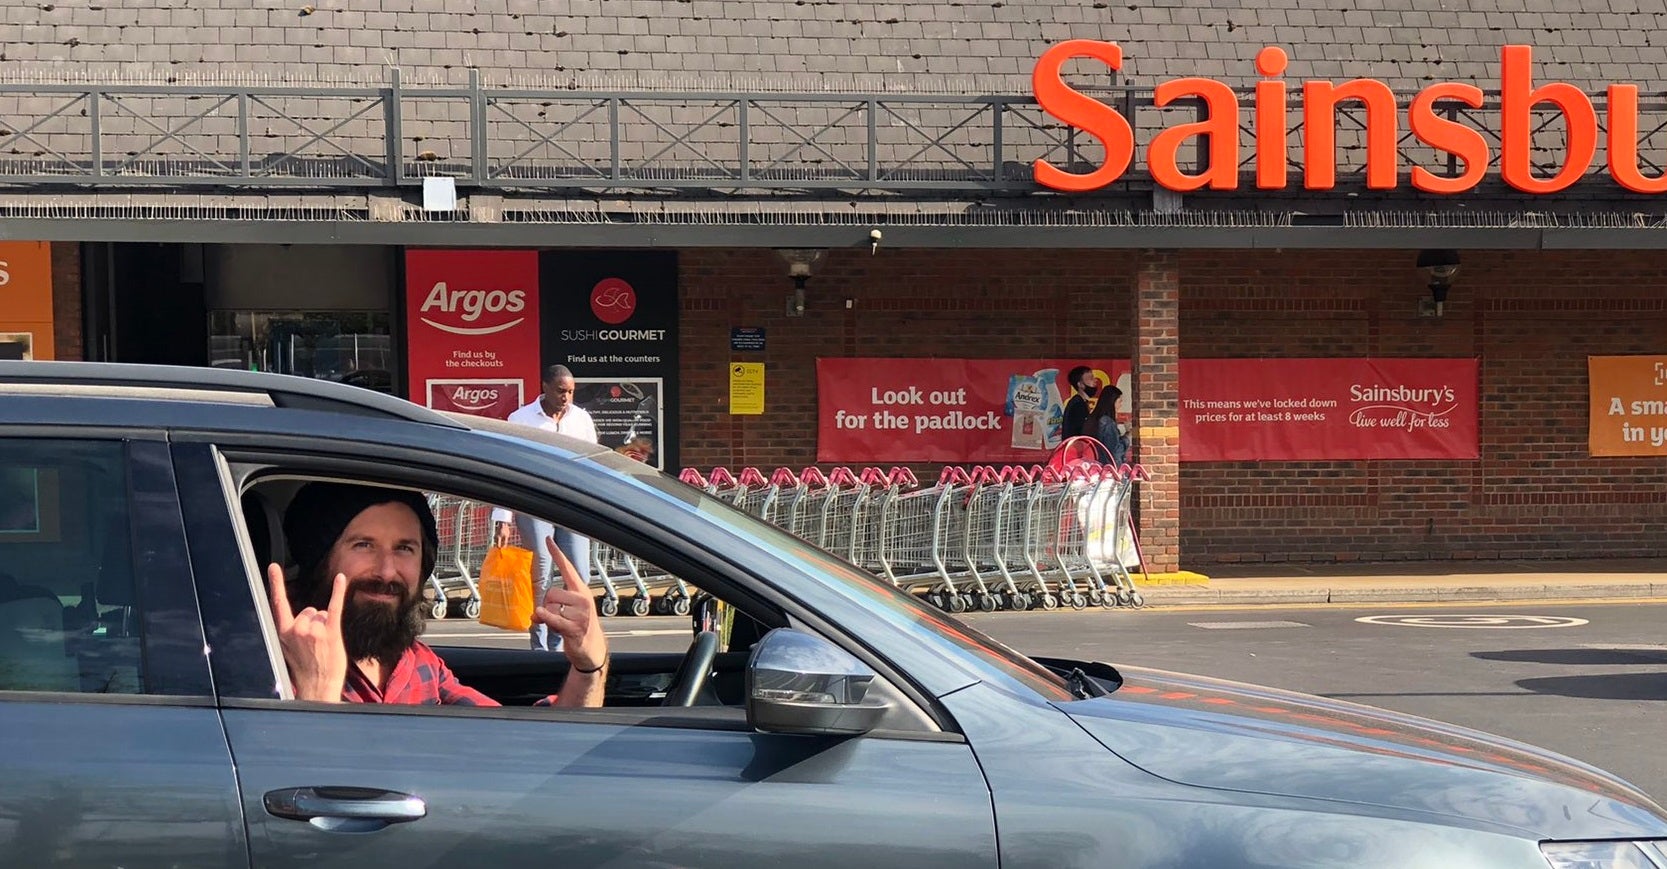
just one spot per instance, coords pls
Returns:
(1182, 577)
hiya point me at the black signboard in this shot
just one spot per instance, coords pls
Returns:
(745, 338)
(611, 317)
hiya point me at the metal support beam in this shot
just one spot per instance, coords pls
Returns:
(642, 234)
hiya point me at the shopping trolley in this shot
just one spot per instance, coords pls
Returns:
(464, 536)
(835, 529)
(977, 529)
(912, 529)
(1109, 540)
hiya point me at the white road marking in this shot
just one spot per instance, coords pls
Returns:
(1483, 622)
(1240, 626)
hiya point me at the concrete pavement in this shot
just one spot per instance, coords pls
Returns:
(1409, 582)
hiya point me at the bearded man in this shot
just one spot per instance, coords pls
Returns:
(349, 632)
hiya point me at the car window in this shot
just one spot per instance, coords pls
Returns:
(861, 586)
(69, 617)
(449, 599)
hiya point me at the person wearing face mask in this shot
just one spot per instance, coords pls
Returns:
(1084, 386)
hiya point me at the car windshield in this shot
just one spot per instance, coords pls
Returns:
(880, 596)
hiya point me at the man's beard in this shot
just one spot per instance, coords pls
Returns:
(375, 630)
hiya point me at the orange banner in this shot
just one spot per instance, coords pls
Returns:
(25, 300)
(1629, 405)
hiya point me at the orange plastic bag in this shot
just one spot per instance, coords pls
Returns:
(506, 588)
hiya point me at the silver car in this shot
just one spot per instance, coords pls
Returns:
(833, 721)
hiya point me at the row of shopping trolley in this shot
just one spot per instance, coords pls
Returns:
(983, 538)
(627, 583)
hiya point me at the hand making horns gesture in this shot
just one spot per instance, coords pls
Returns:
(569, 610)
(311, 640)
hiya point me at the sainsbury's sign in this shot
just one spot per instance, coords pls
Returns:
(1270, 110)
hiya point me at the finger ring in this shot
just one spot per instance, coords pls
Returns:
(562, 610)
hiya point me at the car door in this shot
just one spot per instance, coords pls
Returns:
(113, 750)
(351, 785)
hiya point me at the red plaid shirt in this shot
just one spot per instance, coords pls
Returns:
(422, 679)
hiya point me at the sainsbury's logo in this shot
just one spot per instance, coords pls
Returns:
(472, 304)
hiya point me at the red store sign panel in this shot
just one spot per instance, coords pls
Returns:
(472, 329)
(1328, 409)
(947, 410)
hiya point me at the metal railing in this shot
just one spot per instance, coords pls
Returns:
(132, 135)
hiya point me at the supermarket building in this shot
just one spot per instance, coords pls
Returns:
(1380, 283)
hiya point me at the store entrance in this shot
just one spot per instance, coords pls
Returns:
(158, 312)
(346, 346)
(313, 311)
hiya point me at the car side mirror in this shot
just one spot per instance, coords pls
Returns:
(800, 683)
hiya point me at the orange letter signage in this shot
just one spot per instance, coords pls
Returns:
(1517, 98)
(1623, 142)
(1319, 132)
(1083, 112)
(1450, 136)
(1221, 125)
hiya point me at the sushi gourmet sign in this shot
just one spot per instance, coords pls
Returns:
(1271, 108)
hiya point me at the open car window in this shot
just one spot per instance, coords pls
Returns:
(650, 613)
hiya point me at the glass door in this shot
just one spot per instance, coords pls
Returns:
(354, 347)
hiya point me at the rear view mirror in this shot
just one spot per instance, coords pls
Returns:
(800, 683)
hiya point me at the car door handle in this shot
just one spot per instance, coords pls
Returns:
(345, 809)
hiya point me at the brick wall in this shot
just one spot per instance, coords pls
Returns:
(972, 304)
(1157, 436)
(1532, 318)
(66, 301)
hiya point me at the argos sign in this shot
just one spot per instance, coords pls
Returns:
(473, 330)
(470, 305)
(1270, 122)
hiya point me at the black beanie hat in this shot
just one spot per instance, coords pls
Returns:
(320, 512)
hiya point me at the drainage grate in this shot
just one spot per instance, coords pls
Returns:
(1241, 626)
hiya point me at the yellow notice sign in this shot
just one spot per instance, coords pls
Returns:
(1629, 405)
(746, 388)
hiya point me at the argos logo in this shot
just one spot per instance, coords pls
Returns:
(471, 304)
(494, 398)
(474, 398)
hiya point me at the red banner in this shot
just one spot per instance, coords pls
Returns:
(472, 323)
(947, 410)
(1305, 409)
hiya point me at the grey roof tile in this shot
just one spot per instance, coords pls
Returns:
(1410, 42)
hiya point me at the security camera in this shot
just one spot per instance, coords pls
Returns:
(1441, 265)
(874, 237)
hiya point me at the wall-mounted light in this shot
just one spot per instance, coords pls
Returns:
(1443, 267)
(800, 261)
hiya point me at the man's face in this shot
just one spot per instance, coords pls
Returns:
(559, 392)
(1088, 383)
(381, 554)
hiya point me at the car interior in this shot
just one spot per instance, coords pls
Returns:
(67, 617)
(708, 673)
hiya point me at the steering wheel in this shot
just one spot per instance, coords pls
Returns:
(691, 674)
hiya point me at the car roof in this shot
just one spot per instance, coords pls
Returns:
(167, 396)
(230, 386)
